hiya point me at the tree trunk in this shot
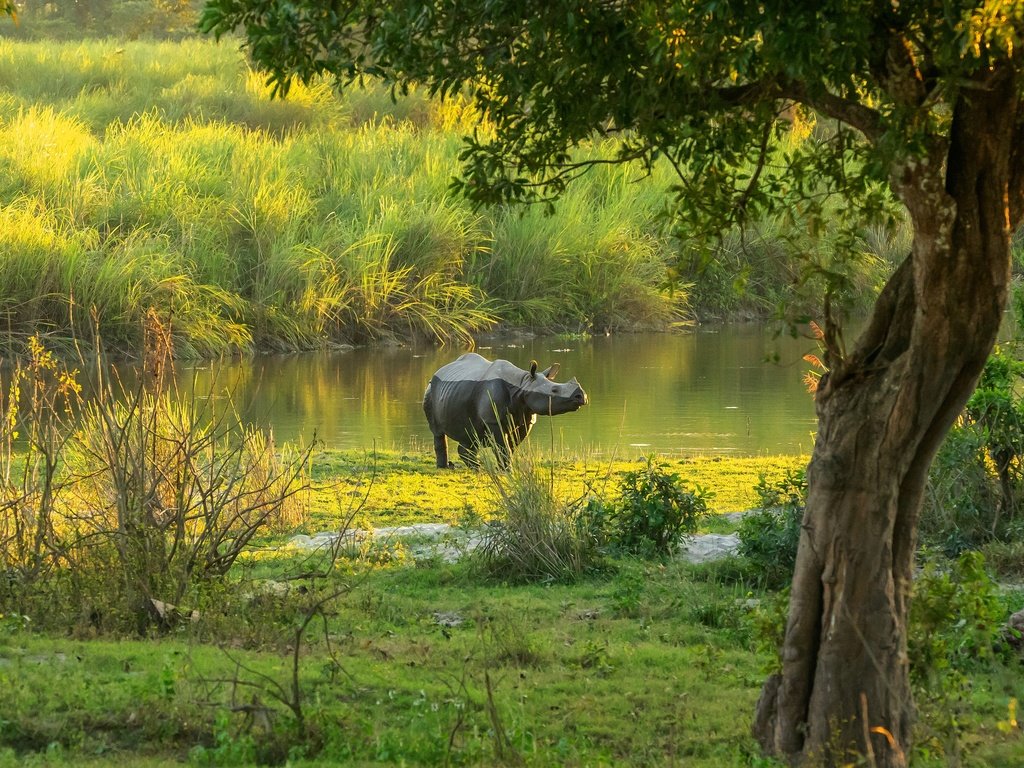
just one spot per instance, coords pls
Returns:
(844, 689)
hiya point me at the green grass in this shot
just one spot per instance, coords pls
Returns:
(138, 174)
(163, 174)
(651, 665)
(402, 489)
(642, 663)
(570, 680)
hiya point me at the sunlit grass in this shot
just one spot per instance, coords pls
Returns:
(259, 223)
(402, 489)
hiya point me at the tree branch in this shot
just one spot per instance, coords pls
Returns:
(762, 158)
(864, 119)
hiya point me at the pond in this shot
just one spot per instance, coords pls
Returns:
(708, 391)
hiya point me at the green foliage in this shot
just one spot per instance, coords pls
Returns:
(955, 639)
(654, 511)
(770, 535)
(957, 619)
(627, 593)
(975, 483)
(612, 70)
(382, 681)
(957, 628)
(406, 691)
(778, 267)
(229, 748)
(768, 627)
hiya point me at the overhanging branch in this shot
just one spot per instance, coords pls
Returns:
(864, 119)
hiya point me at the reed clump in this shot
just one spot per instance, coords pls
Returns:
(537, 534)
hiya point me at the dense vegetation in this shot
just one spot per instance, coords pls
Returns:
(138, 175)
(161, 175)
(149, 612)
(128, 19)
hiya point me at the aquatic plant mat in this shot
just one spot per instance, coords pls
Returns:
(403, 488)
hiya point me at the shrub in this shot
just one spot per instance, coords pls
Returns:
(976, 478)
(120, 507)
(536, 536)
(39, 399)
(655, 511)
(956, 618)
(769, 536)
(956, 627)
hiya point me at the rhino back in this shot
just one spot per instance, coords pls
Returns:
(466, 394)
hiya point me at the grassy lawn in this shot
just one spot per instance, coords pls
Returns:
(425, 663)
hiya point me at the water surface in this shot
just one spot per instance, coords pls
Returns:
(710, 391)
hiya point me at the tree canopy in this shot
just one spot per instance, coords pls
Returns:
(922, 99)
(701, 83)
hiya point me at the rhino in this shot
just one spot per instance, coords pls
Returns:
(477, 402)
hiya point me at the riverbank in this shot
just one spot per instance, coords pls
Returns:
(162, 176)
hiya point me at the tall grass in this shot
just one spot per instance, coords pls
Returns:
(599, 263)
(136, 175)
(537, 535)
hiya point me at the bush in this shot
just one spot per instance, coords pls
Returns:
(956, 628)
(976, 478)
(119, 508)
(957, 618)
(536, 536)
(655, 511)
(769, 537)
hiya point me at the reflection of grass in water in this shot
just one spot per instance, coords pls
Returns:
(403, 488)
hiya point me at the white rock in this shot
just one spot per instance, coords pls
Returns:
(711, 546)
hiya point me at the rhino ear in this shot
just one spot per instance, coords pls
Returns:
(551, 371)
(533, 369)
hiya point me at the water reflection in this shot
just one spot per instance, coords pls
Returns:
(710, 391)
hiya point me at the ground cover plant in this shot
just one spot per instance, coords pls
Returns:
(402, 488)
(652, 664)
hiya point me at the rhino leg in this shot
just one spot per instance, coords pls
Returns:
(441, 452)
(504, 442)
(503, 452)
(469, 456)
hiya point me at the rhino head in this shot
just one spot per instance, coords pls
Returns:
(549, 398)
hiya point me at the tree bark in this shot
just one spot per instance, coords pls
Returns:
(844, 690)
